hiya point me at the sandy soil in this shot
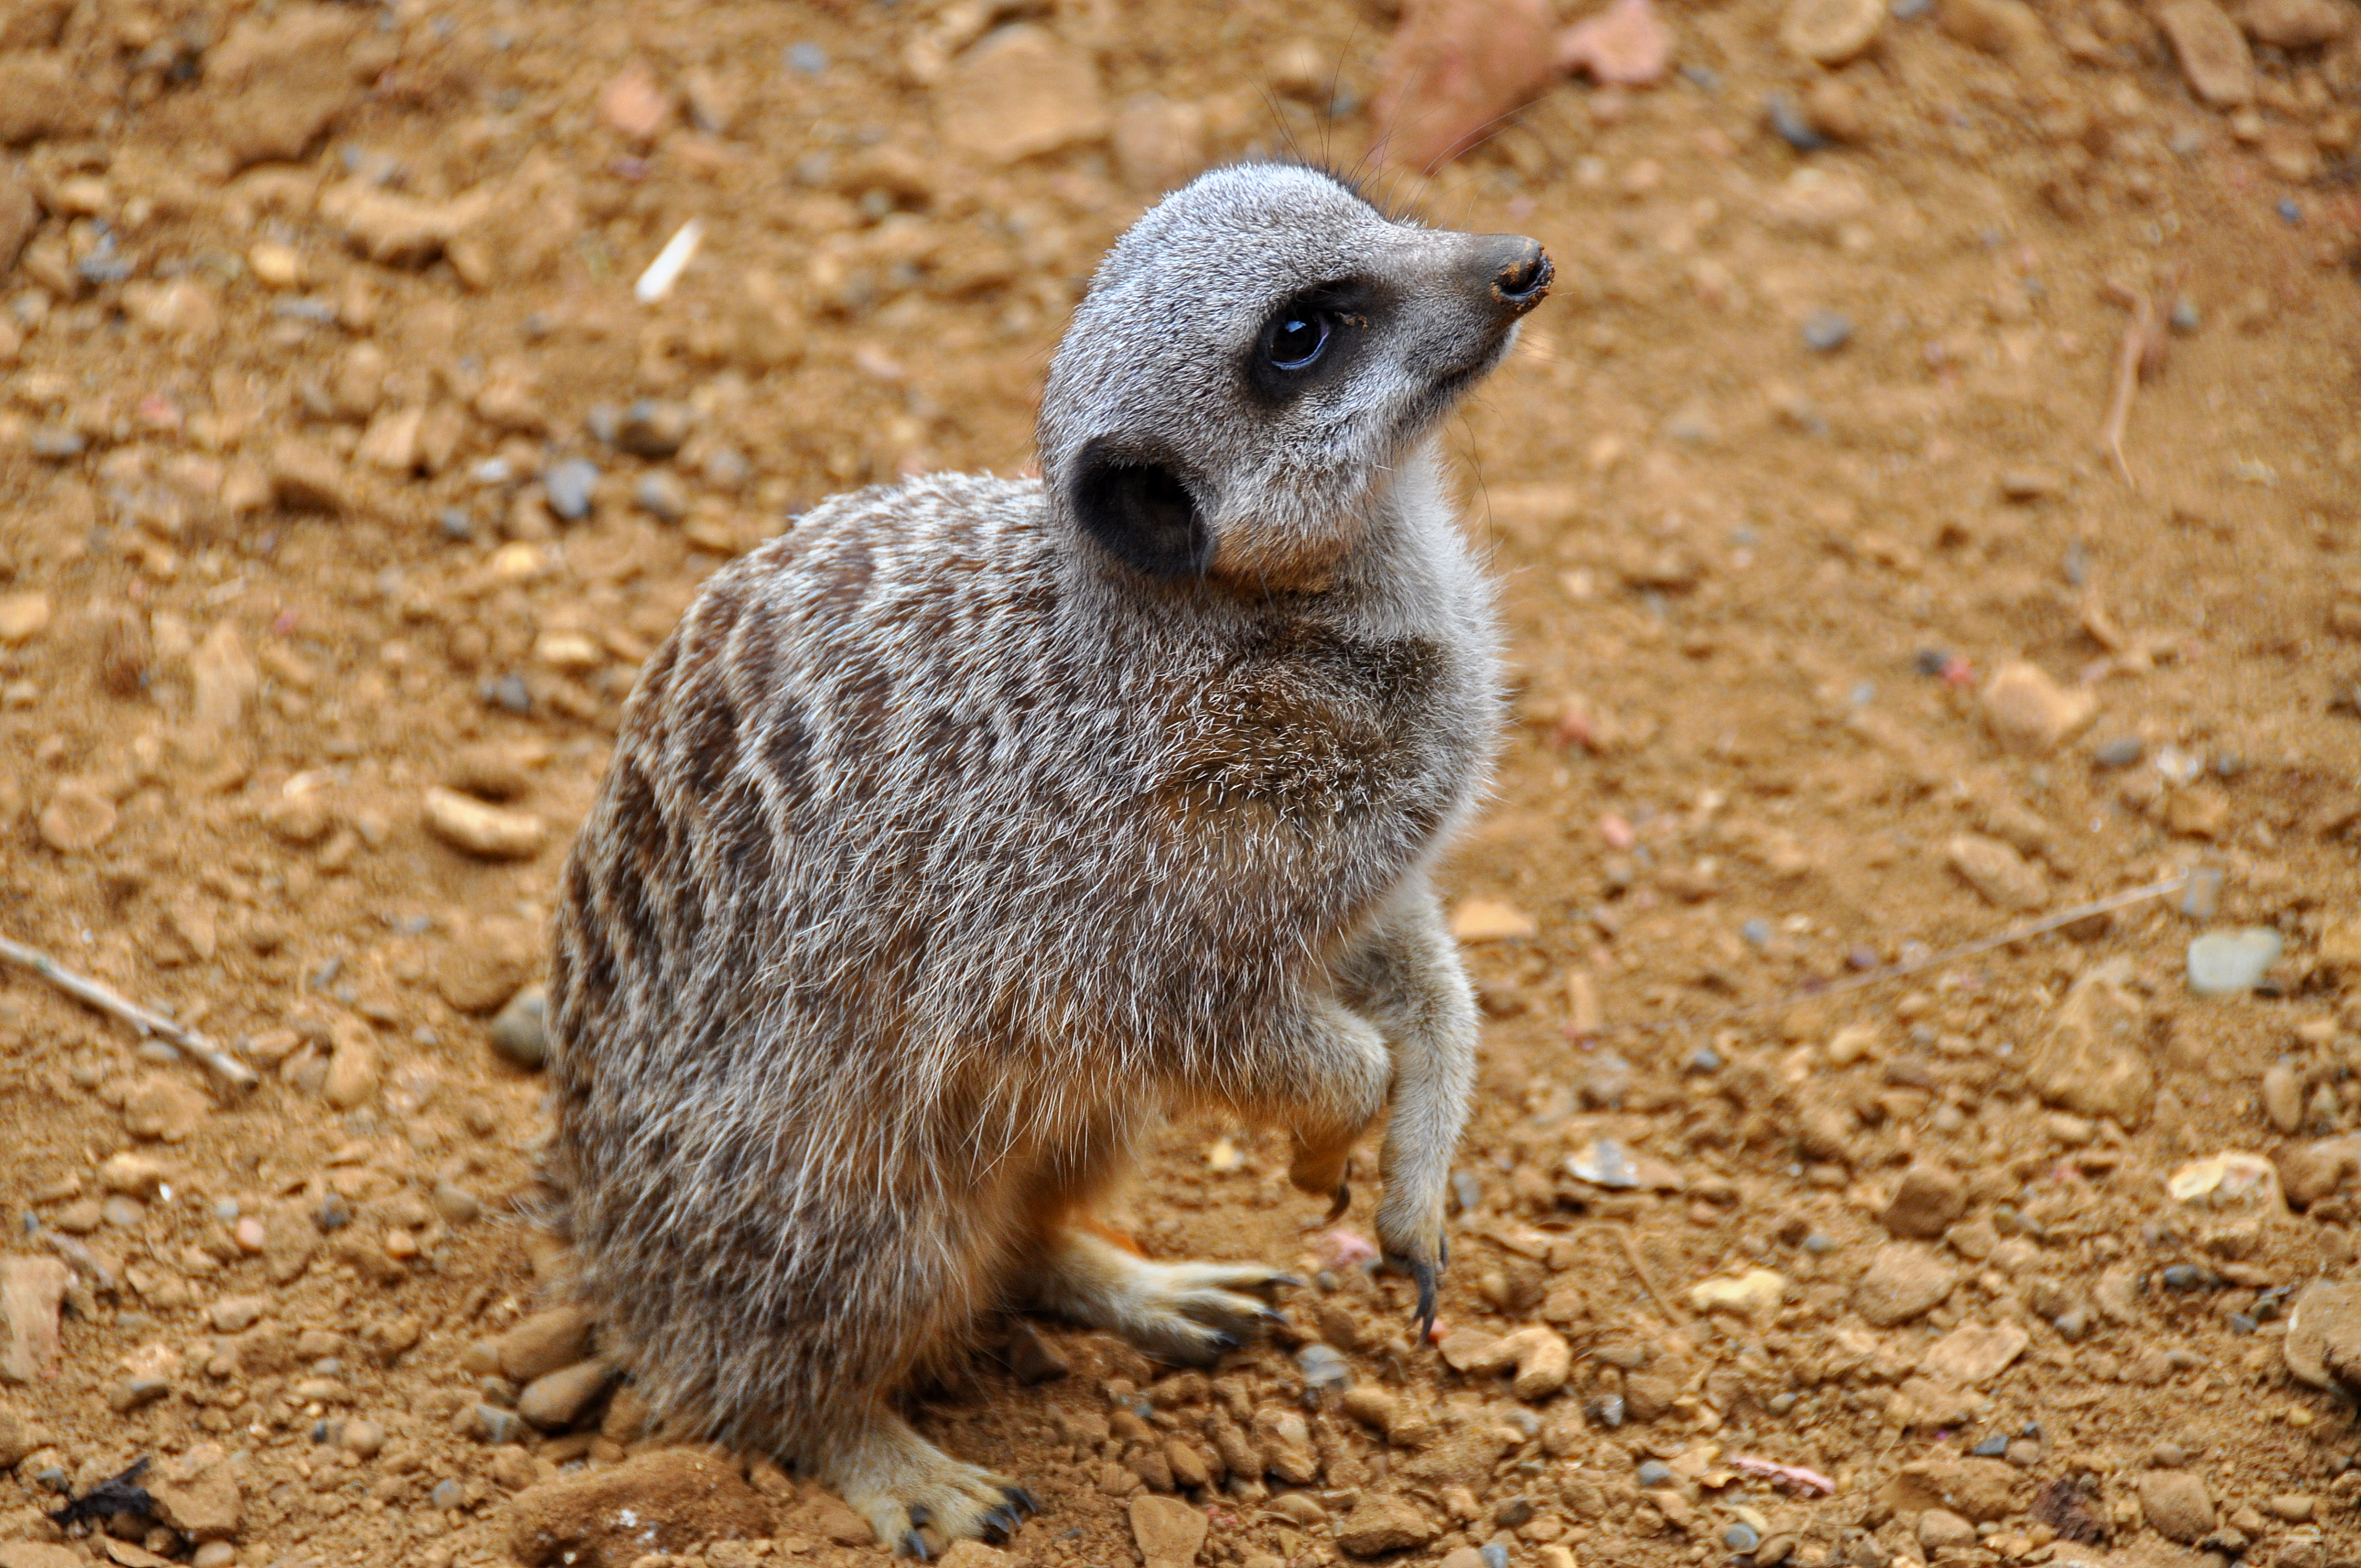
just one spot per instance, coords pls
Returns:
(1828, 658)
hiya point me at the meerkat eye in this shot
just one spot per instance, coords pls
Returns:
(1298, 339)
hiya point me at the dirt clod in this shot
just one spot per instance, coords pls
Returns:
(664, 1501)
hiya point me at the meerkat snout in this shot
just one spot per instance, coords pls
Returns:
(1517, 271)
(961, 834)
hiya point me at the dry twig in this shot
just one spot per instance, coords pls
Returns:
(2141, 358)
(2010, 938)
(100, 1276)
(88, 991)
(1647, 1281)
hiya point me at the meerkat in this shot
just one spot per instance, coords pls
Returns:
(962, 833)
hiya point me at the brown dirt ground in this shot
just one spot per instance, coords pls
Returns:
(1723, 556)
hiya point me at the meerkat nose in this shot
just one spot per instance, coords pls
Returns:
(1514, 271)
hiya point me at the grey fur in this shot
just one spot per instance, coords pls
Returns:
(943, 852)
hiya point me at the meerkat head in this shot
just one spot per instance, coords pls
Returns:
(1253, 357)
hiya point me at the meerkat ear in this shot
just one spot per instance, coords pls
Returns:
(1140, 511)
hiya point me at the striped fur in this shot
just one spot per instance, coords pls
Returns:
(942, 853)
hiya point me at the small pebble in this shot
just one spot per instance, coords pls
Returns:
(571, 486)
(1741, 1538)
(2120, 752)
(1324, 1370)
(2289, 210)
(455, 1203)
(2184, 314)
(661, 496)
(2183, 1277)
(1904, 10)
(807, 59)
(1607, 1411)
(1788, 122)
(508, 692)
(654, 429)
(2283, 1097)
(726, 468)
(2227, 963)
(332, 1213)
(1704, 1058)
(1655, 1473)
(1825, 331)
(446, 1495)
(133, 1393)
(2178, 765)
(1494, 1554)
(521, 1033)
(496, 1426)
(1994, 1447)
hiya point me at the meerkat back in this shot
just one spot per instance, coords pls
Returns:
(958, 834)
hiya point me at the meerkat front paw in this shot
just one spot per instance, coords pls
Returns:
(919, 1499)
(1411, 1240)
(1186, 1313)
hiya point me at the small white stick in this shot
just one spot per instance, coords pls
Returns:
(670, 263)
(85, 988)
(1950, 955)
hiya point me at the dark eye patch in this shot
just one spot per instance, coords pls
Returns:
(1311, 339)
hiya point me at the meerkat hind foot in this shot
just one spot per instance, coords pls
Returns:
(1185, 1313)
(906, 1488)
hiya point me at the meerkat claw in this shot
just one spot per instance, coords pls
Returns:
(1341, 1201)
(912, 1545)
(1430, 1278)
(1025, 1504)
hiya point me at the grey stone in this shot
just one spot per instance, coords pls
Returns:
(1827, 331)
(653, 428)
(571, 486)
(520, 1032)
(661, 496)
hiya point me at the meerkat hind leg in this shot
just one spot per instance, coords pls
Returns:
(1187, 1314)
(903, 1485)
